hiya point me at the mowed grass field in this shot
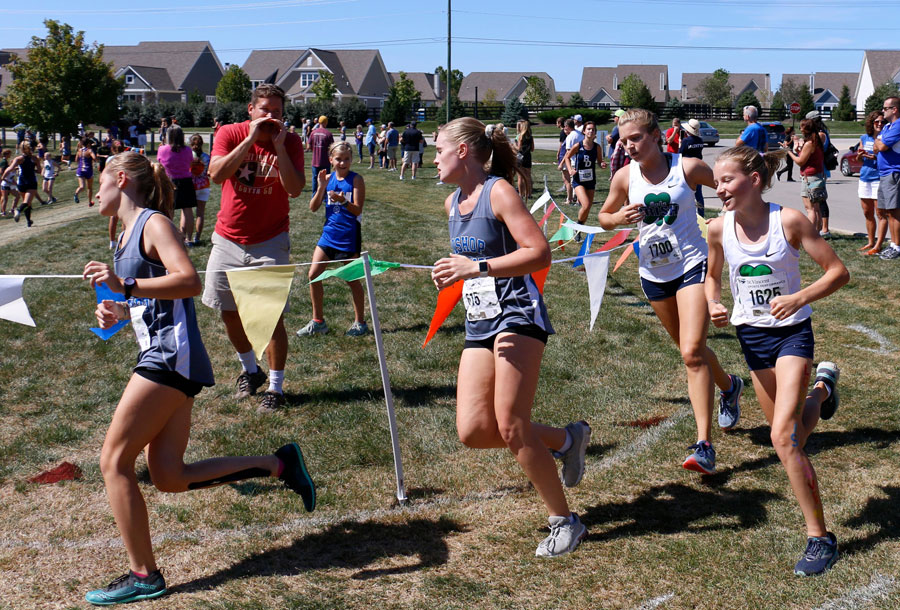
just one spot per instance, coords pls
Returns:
(659, 536)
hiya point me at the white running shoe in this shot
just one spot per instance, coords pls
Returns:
(564, 537)
(573, 459)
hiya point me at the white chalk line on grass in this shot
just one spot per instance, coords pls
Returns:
(885, 347)
(656, 602)
(880, 587)
(296, 526)
(642, 443)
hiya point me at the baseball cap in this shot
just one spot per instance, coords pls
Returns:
(620, 112)
(323, 120)
(368, 120)
(812, 114)
(577, 117)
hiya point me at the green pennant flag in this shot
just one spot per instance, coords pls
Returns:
(564, 234)
(356, 270)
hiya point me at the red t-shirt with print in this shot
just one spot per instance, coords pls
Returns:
(254, 204)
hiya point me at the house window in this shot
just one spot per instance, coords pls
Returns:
(662, 81)
(129, 79)
(308, 78)
(255, 83)
(309, 60)
(615, 81)
(210, 99)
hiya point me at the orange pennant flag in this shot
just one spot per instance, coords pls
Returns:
(540, 277)
(447, 300)
(622, 258)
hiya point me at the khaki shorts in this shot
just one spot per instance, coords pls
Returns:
(227, 254)
(411, 157)
(392, 153)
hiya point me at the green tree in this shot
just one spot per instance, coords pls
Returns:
(807, 104)
(576, 101)
(674, 108)
(234, 86)
(456, 109)
(560, 100)
(636, 94)
(456, 79)
(715, 90)
(513, 110)
(778, 112)
(747, 98)
(536, 91)
(324, 87)
(881, 93)
(195, 97)
(62, 81)
(402, 98)
(844, 111)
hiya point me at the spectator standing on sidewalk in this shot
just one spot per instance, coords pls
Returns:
(887, 145)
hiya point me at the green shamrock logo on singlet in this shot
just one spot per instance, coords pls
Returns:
(659, 209)
(754, 271)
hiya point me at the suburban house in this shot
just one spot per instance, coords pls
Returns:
(5, 75)
(357, 73)
(825, 87)
(426, 83)
(758, 84)
(878, 67)
(501, 86)
(600, 87)
(167, 70)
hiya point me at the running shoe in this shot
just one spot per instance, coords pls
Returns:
(889, 254)
(270, 402)
(128, 588)
(295, 475)
(820, 554)
(357, 329)
(248, 383)
(53, 200)
(16, 214)
(703, 459)
(30, 223)
(829, 373)
(564, 537)
(573, 459)
(729, 404)
(313, 328)
(76, 198)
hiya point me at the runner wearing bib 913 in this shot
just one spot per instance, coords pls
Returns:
(657, 193)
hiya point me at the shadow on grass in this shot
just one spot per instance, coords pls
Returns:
(412, 397)
(675, 508)
(828, 439)
(422, 327)
(883, 513)
(347, 545)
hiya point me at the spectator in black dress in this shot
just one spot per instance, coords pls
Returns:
(692, 146)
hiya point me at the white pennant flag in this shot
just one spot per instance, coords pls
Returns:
(596, 268)
(12, 305)
(545, 198)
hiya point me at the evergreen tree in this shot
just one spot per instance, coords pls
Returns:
(513, 110)
(881, 93)
(62, 81)
(807, 104)
(674, 108)
(636, 94)
(778, 111)
(234, 86)
(576, 101)
(747, 98)
(844, 111)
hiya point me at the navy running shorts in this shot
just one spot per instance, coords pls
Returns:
(763, 346)
(660, 291)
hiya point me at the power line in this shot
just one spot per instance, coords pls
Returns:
(181, 9)
(616, 45)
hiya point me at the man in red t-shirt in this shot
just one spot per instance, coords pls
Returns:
(320, 140)
(260, 166)
(674, 135)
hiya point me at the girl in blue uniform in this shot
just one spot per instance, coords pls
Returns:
(581, 162)
(496, 245)
(84, 170)
(153, 272)
(761, 243)
(27, 165)
(344, 193)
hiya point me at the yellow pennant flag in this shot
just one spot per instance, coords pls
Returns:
(260, 296)
(704, 228)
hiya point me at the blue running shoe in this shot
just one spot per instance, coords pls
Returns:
(829, 373)
(820, 554)
(703, 459)
(729, 404)
(128, 588)
(295, 475)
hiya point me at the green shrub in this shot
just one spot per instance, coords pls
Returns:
(513, 111)
(597, 115)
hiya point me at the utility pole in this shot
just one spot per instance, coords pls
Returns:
(449, 69)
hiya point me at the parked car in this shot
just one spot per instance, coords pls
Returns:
(709, 134)
(849, 163)
(774, 132)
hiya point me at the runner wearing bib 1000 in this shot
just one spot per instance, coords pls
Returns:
(670, 238)
(761, 272)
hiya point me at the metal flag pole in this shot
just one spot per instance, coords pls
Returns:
(385, 381)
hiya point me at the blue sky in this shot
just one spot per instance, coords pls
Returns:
(821, 36)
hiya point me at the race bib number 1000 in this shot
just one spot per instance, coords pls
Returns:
(480, 298)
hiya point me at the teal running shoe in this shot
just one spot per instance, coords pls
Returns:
(703, 459)
(295, 475)
(128, 588)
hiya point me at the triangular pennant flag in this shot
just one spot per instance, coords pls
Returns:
(540, 277)
(596, 268)
(260, 296)
(446, 301)
(12, 305)
(564, 234)
(625, 254)
(357, 270)
(104, 293)
(541, 201)
(585, 228)
(550, 209)
(616, 241)
(701, 222)
(584, 250)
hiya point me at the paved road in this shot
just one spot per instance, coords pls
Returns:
(846, 213)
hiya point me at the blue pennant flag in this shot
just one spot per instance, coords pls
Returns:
(105, 294)
(588, 240)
